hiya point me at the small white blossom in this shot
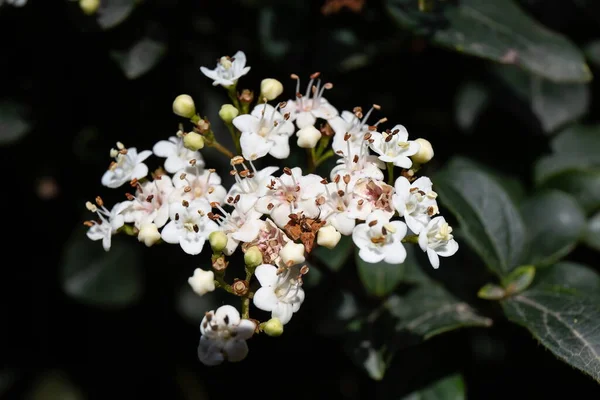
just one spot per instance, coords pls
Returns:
(306, 108)
(189, 226)
(369, 195)
(128, 165)
(270, 241)
(249, 183)
(195, 183)
(353, 124)
(264, 131)
(148, 234)
(228, 70)
(394, 147)
(150, 203)
(380, 240)
(436, 239)
(280, 293)
(108, 223)
(177, 156)
(238, 226)
(202, 281)
(224, 336)
(415, 202)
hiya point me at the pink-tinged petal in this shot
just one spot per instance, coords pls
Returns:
(283, 312)
(140, 171)
(254, 146)
(227, 315)
(265, 299)
(395, 253)
(192, 245)
(170, 233)
(281, 147)
(245, 329)
(246, 123)
(141, 157)
(281, 215)
(325, 111)
(434, 259)
(266, 275)
(449, 249)
(235, 350)
(370, 255)
(304, 119)
(164, 148)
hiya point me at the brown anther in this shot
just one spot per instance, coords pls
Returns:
(337, 178)
(355, 158)
(320, 200)
(324, 181)
(347, 179)
(377, 107)
(315, 75)
(196, 229)
(176, 216)
(294, 76)
(395, 131)
(237, 198)
(150, 198)
(129, 196)
(341, 193)
(237, 160)
(240, 287)
(347, 136)
(185, 203)
(233, 172)
(389, 138)
(282, 104)
(230, 199)
(215, 204)
(286, 116)
(361, 202)
(89, 224)
(373, 223)
(270, 206)
(287, 171)
(182, 176)
(187, 189)
(328, 85)
(193, 162)
(383, 231)
(244, 173)
(431, 210)
(304, 270)
(298, 95)
(371, 128)
(133, 182)
(377, 240)
(368, 135)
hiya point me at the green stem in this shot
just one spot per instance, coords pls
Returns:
(312, 164)
(323, 143)
(320, 160)
(235, 137)
(232, 92)
(246, 298)
(411, 239)
(390, 170)
(221, 149)
(221, 283)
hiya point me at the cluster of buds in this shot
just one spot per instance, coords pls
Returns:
(275, 217)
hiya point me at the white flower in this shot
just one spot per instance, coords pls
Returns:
(436, 239)
(415, 202)
(335, 204)
(264, 131)
(393, 146)
(292, 254)
(249, 184)
(177, 156)
(151, 202)
(108, 224)
(189, 225)
(148, 234)
(289, 194)
(369, 195)
(356, 160)
(238, 226)
(280, 293)
(128, 165)
(192, 184)
(380, 240)
(270, 241)
(228, 70)
(224, 336)
(328, 236)
(202, 281)
(305, 109)
(353, 124)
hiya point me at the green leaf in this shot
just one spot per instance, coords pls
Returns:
(563, 317)
(140, 58)
(583, 185)
(114, 12)
(337, 257)
(500, 31)
(487, 216)
(471, 100)
(592, 52)
(379, 279)
(591, 236)
(491, 291)
(340, 307)
(570, 276)
(519, 279)
(449, 388)
(13, 125)
(100, 278)
(555, 223)
(554, 104)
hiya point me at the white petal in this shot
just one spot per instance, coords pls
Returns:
(141, 157)
(164, 148)
(395, 253)
(449, 249)
(245, 329)
(402, 162)
(210, 73)
(281, 147)
(209, 352)
(192, 244)
(265, 299)
(246, 123)
(140, 171)
(239, 58)
(370, 255)
(254, 146)
(227, 315)
(266, 274)
(433, 258)
(284, 312)
(305, 119)
(173, 164)
(170, 233)
(162, 215)
(235, 350)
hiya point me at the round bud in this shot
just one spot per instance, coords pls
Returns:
(425, 152)
(228, 112)
(292, 253)
(89, 7)
(308, 137)
(253, 257)
(148, 234)
(202, 281)
(193, 141)
(218, 241)
(270, 89)
(184, 106)
(273, 327)
(328, 237)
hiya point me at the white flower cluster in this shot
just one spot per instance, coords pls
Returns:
(275, 217)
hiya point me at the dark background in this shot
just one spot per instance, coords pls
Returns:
(57, 62)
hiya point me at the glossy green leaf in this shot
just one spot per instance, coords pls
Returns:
(563, 316)
(491, 291)
(140, 58)
(555, 223)
(569, 276)
(379, 279)
(488, 218)
(337, 257)
(519, 279)
(471, 99)
(591, 236)
(500, 31)
(449, 388)
(583, 185)
(13, 124)
(102, 278)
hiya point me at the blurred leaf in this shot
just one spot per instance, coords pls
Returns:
(488, 219)
(449, 388)
(562, 318)
(491, 291)
(140, 58)
(102, 278)
(583, 185)
(471, 99)
(554, 104)
(592, 232)
(340, 307)
(13, 125)
(113, 12)
(379, 279)
(54, 385)
(500, 31)
(570, 276)
(519, 279)
(592, 52)
(554, 223)
(337, 257)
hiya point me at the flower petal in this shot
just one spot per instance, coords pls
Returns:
(235, 350)
(265, 299)
(284, 312)
(433, 258)
(266, 275)
(171, 233)
(164, 148)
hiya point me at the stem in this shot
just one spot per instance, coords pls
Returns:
(320, 160)
(312, 165)
(245, 307)
(235, 137)
(221, 283)
(390, 170)
(411, 239)
(221, 149)
(323, 142)
(232, 92)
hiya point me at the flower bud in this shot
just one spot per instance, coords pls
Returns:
(425, 152)
(292, 253)
(193, 141)
(253, 257)
(89, 7)
(270, 89)
(202, 281)
(228, 112)
(184, 106)
(149, 234)
(328, 237)
(273, 327)
(218, 241)
(308, 137)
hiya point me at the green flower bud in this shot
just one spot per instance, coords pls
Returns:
(228, 112)
(218, 241)
(273, 327)
(253, 257)
(270, 89)
(184, 106)
(89, 7)
(193, 141)
(425, 153)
